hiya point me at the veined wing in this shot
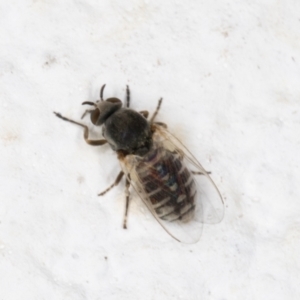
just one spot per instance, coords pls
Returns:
(177, 199)
(210, 197)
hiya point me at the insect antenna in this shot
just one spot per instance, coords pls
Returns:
(88, 103)
(88, 110)
(101, 92)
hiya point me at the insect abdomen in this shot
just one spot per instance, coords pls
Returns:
(168, 185)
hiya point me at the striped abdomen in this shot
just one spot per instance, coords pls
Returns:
(168, 185)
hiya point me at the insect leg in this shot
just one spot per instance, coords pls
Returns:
(86, 131)
(88, 111)
(164, 125)
(144, 113)
(127, 203)
(156, 111)
(118, 179)
(200, 173)
(127, 96)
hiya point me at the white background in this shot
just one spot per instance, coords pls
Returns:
(229, 73)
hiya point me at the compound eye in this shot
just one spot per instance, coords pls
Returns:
(95, 114)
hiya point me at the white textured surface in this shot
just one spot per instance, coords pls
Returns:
(229, 72)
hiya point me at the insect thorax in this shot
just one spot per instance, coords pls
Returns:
(128, 130)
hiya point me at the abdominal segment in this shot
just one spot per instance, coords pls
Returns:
(168, 185)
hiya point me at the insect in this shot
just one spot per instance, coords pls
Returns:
(170, 181)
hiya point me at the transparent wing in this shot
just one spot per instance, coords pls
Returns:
(210, 197)
(208, 201)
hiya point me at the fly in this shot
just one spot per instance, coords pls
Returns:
(169, 180)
